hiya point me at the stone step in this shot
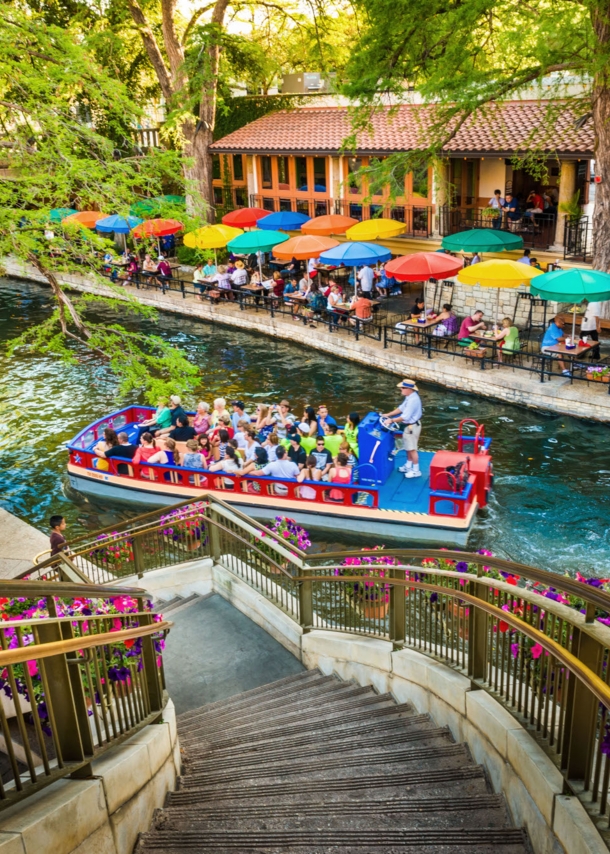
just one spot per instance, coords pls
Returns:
(367, 717)
(162, 606)
(364, 726)
(389, 762)
(323, 693)
(344, 841)
(266, 723)
(479, 811)
(179, 603)
(282, 687)
(466, 780)
(285, 751)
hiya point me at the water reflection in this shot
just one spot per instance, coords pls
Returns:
(550, 506)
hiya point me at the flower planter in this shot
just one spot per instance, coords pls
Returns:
(374, 610)
(476, 354)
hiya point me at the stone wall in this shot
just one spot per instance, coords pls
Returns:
(582, 400)
(102, 814)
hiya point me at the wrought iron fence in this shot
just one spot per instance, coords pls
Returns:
(418, 219)
(576, 238)
(80, 671)
(537, 230)
(538, 641)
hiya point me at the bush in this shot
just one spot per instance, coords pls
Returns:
(188, 256)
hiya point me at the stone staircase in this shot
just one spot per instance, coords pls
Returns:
(313, 765)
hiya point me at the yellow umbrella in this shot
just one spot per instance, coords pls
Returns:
(211, 236)
(375, 229)
(498, 274)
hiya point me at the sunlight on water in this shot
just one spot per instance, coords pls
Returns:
(550, 506)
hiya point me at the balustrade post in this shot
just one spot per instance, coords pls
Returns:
(214, 536)
(478, 635)
(398, 608)
(138, 556)
(149, 660)
(581, 710)
(306, 601)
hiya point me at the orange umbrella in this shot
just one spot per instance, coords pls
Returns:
(330, 224)
(303, 247)
(86, 218)
(157, 228)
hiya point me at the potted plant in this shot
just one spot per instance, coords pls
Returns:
(371, 596)
(599, 373)
(290, 534)
(185, 527)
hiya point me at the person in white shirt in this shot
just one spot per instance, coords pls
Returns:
(525, 258)
(332, 300)
(476, 259)
(251, 444)
(366, 277)
(312, 266)
(497, 202)
(239, 276)
(283, 468)
(409, 413)
(591, 326)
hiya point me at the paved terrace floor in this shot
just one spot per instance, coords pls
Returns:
(580, 399)
(214, 652)
(19, 542)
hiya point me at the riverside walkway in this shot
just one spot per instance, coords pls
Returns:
(19, 542)
(579, 399)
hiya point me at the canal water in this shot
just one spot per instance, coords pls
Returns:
(551, 502)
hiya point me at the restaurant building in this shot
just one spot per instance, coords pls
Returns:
(293, 160)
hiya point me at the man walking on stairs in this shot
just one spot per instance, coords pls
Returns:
(409, 413)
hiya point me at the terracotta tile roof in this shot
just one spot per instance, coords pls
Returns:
(502, 129)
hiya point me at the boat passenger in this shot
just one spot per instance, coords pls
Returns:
(352, 459)
(204, 448)
(239, 413)
(296, 453)
(307, 442)
(225, 423)
(182, 432)
(219, 444)
(323, 457)
(125, 450)
(271, 445)
(350, 431)
(110, 440)
(220, 408)
(167, 455)
(258, 462)
(309, 417)
(193, 459)
(176, 410)
(308, 472)
(282, 418)
(229, 463)
(283, 468)
(232, 443)
(145, 451)
(339, 473)
(509, 336)
(324, 419)
(333, 439)
(251, 443)
(263, 424)
(161, 419)
(201, 422)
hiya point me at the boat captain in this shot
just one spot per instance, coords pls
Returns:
(409, 414)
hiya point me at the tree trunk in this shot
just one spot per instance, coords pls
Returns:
(200, 193)
(601, 123)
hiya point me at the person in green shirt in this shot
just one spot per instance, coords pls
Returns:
(162, 419)
(333, 439)
(350, 431)
(508, 338)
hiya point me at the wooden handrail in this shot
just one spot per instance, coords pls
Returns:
(590, 679)
(9, 587)
(45, 650)
(552, 579)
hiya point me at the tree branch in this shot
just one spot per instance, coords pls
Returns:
(152, 49)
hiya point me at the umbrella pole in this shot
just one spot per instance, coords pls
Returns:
(497, 321)
(356, 280)
(260, 267)
(573, 322)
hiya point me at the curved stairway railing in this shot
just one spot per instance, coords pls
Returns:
(539, 642)
(80, 671)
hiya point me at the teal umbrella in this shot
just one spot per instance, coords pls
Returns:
(59, 214)
(572, 286)
(482, 240)
(257, 240)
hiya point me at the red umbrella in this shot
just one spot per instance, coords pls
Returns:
(157, 228)
(423, 266)
(244, 217)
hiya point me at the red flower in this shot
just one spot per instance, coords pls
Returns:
(503, 626)
(129, 643)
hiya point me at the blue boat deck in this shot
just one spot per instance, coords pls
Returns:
(411, 495)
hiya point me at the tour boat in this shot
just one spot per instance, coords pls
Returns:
(439, 506)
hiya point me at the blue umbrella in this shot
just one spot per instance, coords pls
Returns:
(355, 254)
(118, 224)
(285, 220)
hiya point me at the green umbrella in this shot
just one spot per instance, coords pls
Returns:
(59, 214)
(257, 240)
(572, 286)
(482, 240)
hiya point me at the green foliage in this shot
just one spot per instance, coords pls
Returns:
(235, 113)
(65, 117)
(572, 207)
(189, 256)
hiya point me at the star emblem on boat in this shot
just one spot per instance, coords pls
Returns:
(77, 459)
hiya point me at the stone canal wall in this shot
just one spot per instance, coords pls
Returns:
(582, 400)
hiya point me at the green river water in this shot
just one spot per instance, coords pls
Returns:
(551, 502)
